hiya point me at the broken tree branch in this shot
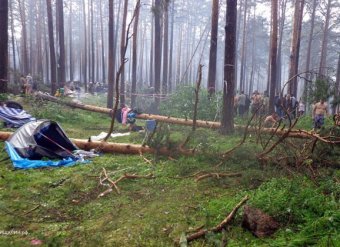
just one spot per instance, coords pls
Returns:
(217, 175)
(114, 183)
(201, 233)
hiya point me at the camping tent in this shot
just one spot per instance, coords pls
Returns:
(38, 139)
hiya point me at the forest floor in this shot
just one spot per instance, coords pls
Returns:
(62, 207)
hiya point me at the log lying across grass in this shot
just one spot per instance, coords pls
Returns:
(187, 122)
(180, 121)
(110, 147)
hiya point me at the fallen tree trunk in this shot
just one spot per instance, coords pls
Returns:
(180, 121)
(110, 147)
(186, 122)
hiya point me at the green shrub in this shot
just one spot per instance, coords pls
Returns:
(182, 104)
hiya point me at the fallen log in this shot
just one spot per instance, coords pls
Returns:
(172, 120)
(111, 147)
(181, 121)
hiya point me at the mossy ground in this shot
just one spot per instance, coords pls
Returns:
(60, 206)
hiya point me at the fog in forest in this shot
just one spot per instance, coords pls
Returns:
(185, 41)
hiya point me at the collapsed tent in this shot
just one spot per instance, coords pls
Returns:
(37, 140)
(14, 117)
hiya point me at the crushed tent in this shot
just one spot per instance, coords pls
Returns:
(14, 117)
(25, 163)
(41, 139)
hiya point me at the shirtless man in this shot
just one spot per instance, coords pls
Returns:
(319, 113)
(271, 120)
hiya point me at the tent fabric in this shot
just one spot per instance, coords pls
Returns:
(42, 138)
(39, 140)
(14, 117)
(25, 163)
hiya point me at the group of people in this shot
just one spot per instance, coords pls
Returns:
(284, 107)
(27, 84)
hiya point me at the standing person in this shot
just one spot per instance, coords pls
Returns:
(236, 104)
(294, 106)
(256, 102)
(301, 108)
(241, 104)
(319, 113)
(23, 84)
(29, 82)
(265, 101)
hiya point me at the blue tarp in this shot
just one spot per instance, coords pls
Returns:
(24, 163)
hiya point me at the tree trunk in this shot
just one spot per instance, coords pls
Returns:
(322, 67)
(157, 49)
(335, 107)
(227, 123)
(165, 48)
(213, 48)
(244, 48)
(71, 42)
(122, 47)
(13, 38)
(111, 68)
(61, 60)
(25, 63)
(151, 67)
(273, 53)
(3, 45)
(179, 121)
(102, 42)
(308, 53)
(134, 58)
(85, 49)
(171, 77)
(295, 47)
(52, 50)
(92, 73)
(279, 52)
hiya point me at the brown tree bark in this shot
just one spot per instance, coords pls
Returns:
(61, 60)
(3, 45)
(158, 49)
(213, 48)
(134, 58)
(323, 56)
(273, 55)
(171, 73)
(309, 48)
(227, 123)
(25, 64)
(102, 42)
(165, 47)
(336, 108)
(71, 42)
(12, 36)
(51, 45)
(85, 50)
(111, 68)
(92, 70)
(295, 47)
(244, 47)
(122, 47)
(279, 50)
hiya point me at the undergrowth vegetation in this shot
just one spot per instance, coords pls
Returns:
(62, 207)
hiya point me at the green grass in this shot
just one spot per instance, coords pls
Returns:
(61, 207)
